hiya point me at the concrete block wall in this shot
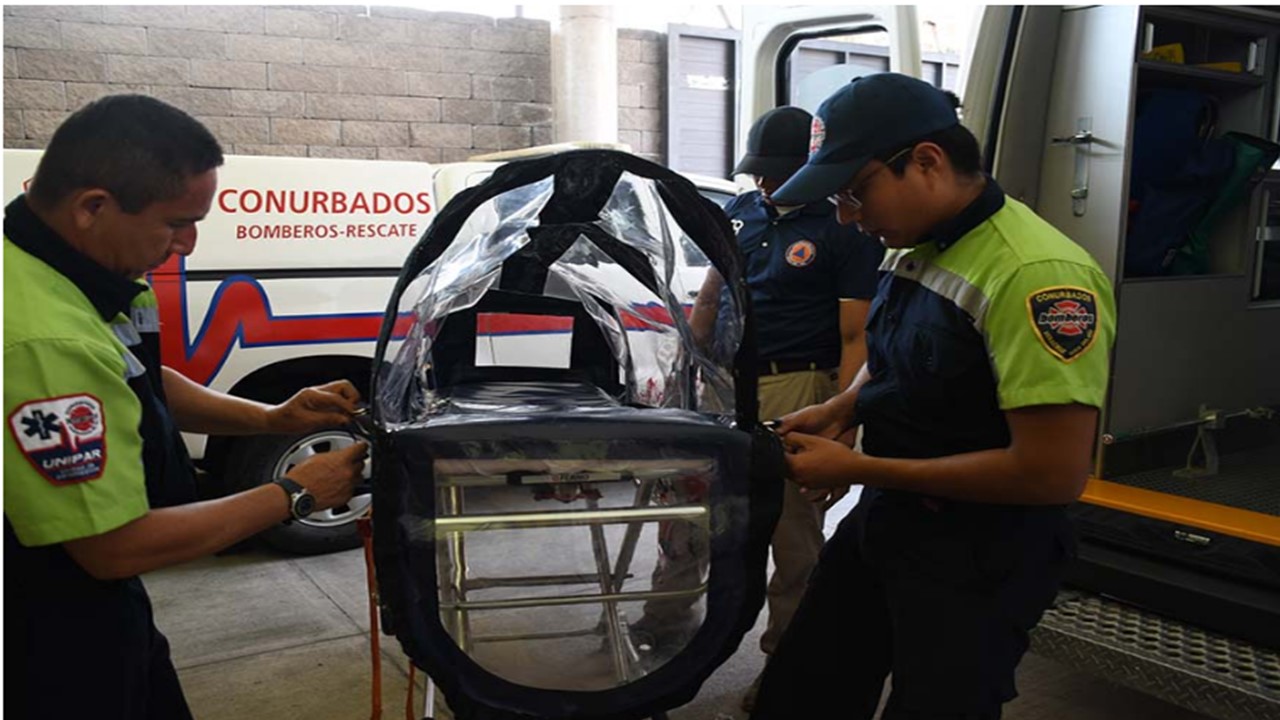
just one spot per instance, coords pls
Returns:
(642, 92)
(319, 81)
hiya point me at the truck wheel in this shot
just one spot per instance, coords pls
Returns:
(258, 460)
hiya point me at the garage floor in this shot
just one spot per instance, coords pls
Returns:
(262, 635)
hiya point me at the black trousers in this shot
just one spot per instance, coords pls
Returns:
(939, 594)
(101, 660)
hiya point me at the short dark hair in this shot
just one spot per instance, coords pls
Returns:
(956, 141)
(139, 149)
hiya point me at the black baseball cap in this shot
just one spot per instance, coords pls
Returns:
(777, 144)
(872, 116)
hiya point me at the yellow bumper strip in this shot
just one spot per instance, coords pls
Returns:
(1245, 524)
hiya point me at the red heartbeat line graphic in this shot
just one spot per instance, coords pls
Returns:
(241, 312)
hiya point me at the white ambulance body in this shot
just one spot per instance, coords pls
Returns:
(287, 288)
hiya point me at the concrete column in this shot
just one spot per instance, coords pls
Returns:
(584, 74)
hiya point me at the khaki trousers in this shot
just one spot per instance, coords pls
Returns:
(798, 539)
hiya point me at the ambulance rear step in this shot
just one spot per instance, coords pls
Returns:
(1195, 669)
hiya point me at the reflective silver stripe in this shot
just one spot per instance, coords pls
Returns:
(133, 367)
(951, 286)
(146, 319)
(891, 259)
(127, 334)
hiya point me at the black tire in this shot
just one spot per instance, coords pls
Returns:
(255, 461)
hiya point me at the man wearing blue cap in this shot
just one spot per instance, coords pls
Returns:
(811, 282)
(987, 360)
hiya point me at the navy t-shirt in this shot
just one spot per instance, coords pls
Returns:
(799, 266)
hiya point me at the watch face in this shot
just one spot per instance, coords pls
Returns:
(303, 504)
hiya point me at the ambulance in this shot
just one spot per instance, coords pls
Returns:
(287, 288)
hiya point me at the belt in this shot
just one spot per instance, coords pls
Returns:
(778, 367)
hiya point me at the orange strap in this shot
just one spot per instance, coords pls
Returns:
(365, 526)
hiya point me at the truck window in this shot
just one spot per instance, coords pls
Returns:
(816, 66)
(716, 196)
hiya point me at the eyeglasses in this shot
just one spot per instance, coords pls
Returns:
(848, 196)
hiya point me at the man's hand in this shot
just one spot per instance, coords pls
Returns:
(822, 420)
(825, 498)
(332, 476)
(819, 464)
(314, 408)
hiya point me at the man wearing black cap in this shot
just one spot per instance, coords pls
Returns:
(811, 282)
(987, 360)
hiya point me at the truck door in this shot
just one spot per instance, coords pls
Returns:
(1056, 95)
(800, 55)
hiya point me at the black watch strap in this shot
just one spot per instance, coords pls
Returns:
(295, 495)
(291, 488)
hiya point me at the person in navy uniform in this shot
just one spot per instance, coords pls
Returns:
(988, 360)
(811, 281)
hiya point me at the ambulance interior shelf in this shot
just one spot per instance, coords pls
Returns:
(1201, 144)
(1179, 40)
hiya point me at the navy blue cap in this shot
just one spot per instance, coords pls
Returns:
(872, 116)
(777, 144)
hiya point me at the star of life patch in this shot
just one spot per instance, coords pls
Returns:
(64, 438)
(1065, 320)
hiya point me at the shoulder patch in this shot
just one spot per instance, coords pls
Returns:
(1065, 319)
(801, 253)
(64, 438)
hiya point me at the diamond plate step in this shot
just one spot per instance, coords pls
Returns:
(1202, 671)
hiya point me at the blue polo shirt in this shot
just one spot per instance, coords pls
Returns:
(799, 265)
(994, 311)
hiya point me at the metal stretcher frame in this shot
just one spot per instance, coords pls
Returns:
(611, 574)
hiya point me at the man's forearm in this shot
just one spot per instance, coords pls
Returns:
(1046, 463)
(846, 402)
(853, 355)
(706, 306)
(174, 535)
(198, 409)
(988, 476)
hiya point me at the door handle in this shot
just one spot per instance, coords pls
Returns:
(1080, 138)
(1082, 141)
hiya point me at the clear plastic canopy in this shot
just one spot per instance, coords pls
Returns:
(641, 310)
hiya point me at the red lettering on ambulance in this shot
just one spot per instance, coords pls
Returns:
(256, 201)
(222, 200)
(275, 201)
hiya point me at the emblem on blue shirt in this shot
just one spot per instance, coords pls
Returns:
(64, 438)
(1065, 320)
(801, 253)
(817, 135)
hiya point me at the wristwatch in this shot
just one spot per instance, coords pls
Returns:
(301, 501)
